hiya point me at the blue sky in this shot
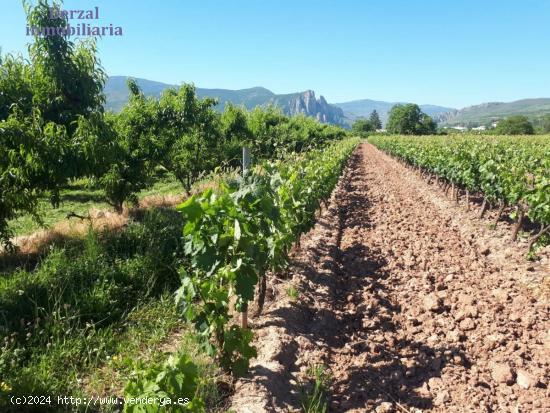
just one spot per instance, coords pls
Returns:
(453, 53)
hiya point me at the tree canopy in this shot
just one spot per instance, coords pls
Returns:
(545, 124)
(45, 104)
(515, 125)
(375, 120)
(53, 128)
(362, 127)
(410, 120)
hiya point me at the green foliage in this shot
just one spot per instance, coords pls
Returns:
(66, 79)
(53, 129)
(513, 170)
(236, 133)
(234, 236)
(374, 119)
(42, 103)
(133, 153)
(265, 127)
(362, 127)
(314, 395)
(176, 380)
(63, 313)
(15, 85)
(276, 135)
(293, 293)
(186, 132)
(231, 238)
(114, 272)
(545, 124)
(515, 125)
(29, 165)
(410, 120)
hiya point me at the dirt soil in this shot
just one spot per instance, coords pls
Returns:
(410, 302)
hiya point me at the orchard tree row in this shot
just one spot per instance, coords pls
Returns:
(53, 128)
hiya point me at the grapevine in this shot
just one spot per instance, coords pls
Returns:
(509, 171)
(234, 236)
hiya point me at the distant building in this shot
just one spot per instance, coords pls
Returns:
(459, 128)
(480, 128)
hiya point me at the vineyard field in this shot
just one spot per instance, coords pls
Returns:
(220, 248)
(401, 300)
(511, 172)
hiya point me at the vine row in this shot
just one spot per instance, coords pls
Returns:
(508, 172)
(234, 237)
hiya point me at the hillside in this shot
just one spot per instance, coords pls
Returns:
(488, 112)
(363, 108)
(291, 104)
(343, 113)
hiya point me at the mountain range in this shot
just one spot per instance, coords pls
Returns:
(305, 102)
(486, 113)
(343, 113)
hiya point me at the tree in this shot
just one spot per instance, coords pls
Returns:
(42, 103)
(545, 124)
(375, 120)
(362, 127)
(135, 153)
(515, 125)
(29, 165)
(265, 125)
(67, 79)
(427, 125)
(235, 133)
(188, 132)
(15, 86)
(410, 120)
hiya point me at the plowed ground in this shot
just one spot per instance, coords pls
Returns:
(409, 302)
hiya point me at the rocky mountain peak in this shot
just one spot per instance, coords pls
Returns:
(307, 104)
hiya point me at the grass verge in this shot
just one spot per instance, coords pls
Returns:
(78, 322)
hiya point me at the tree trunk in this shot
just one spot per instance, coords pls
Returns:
(483, 207)
(517, 227)
(262, 287)
(467, 200)
(188, 184)
(500, 211)
(244, 318)
(535, 238)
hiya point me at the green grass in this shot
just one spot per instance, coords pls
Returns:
(292, 293)
(76, 318)
(79, 320)
(80, 197)
(314, 391)
(153, 332)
